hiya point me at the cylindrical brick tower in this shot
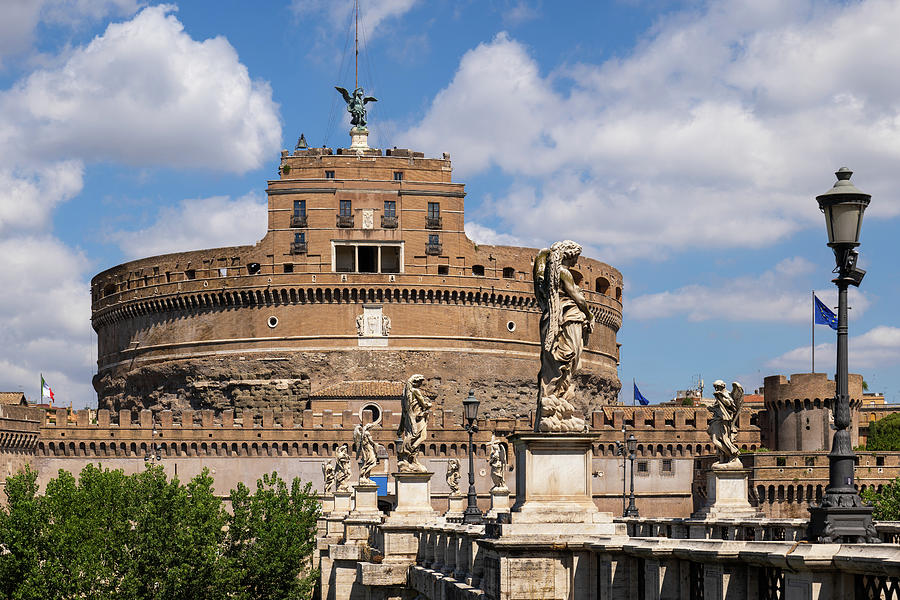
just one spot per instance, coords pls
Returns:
(365, 273)
(799, 411)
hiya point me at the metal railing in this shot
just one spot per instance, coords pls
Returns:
(433, 249)
(344, 220)
(298, 247)
(389, 221)
(433, 223)
(298, 221)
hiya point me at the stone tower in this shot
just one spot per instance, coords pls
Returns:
(799, 411)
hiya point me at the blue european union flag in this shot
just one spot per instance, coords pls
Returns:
(638, 397)
(823, 314)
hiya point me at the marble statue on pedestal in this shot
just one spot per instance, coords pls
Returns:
(366, 451)
(566, 323)
(497, 462)
(328, 475)
(413, 426)
(342, 469)
(453, 476)
(722, 426)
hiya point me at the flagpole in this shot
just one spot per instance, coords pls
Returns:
(634, 385)
(813, 329)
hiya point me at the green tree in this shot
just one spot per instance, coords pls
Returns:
(106, 535)
(271, 537)
(884, 434)
(886, 503)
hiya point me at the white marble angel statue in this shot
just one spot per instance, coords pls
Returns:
(453, 476)
(342, 469)
(366, 451)
(722, 426)
(497, 462)
(566, 323)
(328, 475)
(413, 426)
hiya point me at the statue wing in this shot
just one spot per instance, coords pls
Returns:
(737, 394)
(347, 97)
(370, 99)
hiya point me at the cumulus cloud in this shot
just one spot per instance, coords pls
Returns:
(21, 18)
(27, 199)
(878, 347)
(144, 93)
(46, 318)
(772, 296)
(485, 235)
(196, 224)
(707, 134)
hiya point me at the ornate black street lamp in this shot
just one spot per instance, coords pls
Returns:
(842, 516)
(470, 411)
(632, 510)
(620, 451)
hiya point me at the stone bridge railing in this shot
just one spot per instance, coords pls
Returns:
(659, 559)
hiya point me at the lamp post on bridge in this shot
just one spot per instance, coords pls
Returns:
(842, 515)
(470, 411)
(632, 510)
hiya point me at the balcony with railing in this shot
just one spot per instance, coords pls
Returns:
(433, 223)
(389, 221)
(344, 220)
(433, 248)
(298, 247)
(298, 221)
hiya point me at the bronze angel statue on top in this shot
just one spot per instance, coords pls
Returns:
(723, 422)
(356, 105)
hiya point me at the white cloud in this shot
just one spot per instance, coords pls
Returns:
(45, 310)
(772, 296)
(21, 18)
(707, 134)
(485, 235)
(144, 93)
(878, 347)
(196, 224)
(27, 199)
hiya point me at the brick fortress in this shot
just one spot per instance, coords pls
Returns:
(365, 273)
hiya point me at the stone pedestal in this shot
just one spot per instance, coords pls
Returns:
(342, 503)
(457, 507)
(726, 492)
(553, 486)
(359, 139)
(413, 494)
(365, 500)
(327, 504)
(499, 502)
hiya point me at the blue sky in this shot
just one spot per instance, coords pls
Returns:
(682, 142)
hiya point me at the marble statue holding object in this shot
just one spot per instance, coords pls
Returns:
(356, 105)
(366, 451)
(328, 475)
(413, 425)
(722, 426)
(566, 323)
(497, 462)
(342, 469)
(453, 476)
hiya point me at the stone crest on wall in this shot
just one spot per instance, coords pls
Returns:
(372, 326)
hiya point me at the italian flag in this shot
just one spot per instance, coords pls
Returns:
(46, 392)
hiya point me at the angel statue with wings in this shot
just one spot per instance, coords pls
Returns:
(453, 476)
(413, 429)
(497, 461)
(342, 469)
(723, 422)
(366, 451)
(328, 475)
(356, 105)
